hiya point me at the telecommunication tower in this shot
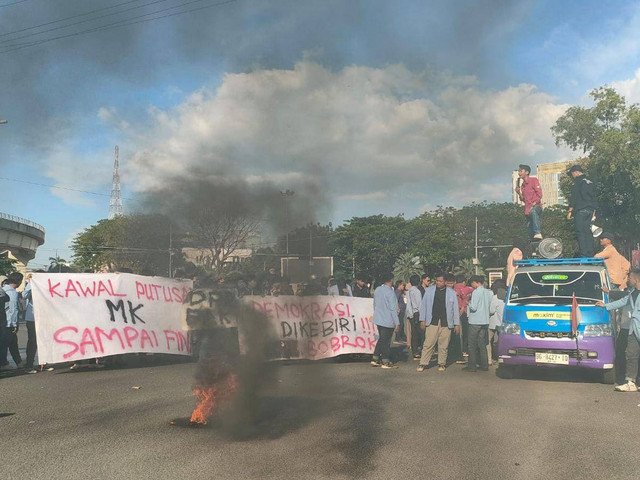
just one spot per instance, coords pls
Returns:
(115, 204)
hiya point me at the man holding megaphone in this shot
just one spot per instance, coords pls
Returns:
(582, 208)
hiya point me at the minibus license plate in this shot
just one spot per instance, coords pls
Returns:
(557, 358)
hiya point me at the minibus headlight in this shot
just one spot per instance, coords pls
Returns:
(598, 330)
(509, 328)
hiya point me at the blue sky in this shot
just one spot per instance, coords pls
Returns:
(385, 106)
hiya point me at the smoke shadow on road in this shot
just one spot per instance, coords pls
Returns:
(273, 418)
(354, 417)
(362, 433)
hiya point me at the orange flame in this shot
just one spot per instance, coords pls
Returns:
(210, 398)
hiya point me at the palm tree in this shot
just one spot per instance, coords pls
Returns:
(57, 263)
(407, 265)
(467, 268)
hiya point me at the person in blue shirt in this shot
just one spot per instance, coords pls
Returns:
(632, 353)
(385, 317)
(478, 311)
(4, 299)
(30, 323)
(12, 310)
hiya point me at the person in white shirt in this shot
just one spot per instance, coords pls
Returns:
(333, 287)
(414, 299)
(496, 309)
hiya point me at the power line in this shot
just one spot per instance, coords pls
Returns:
(120, 23)
(60, 187)
(12, 3)
(67, 18)
(85, 21)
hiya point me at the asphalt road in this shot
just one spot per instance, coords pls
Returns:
(317, 421)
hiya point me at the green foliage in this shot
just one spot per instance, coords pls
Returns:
(312, 236)
(136, 242)
(467, 268)
(58, 264)
(609, 135)
(407, 265)
(371, 244)
(7, 265)
(441, 238)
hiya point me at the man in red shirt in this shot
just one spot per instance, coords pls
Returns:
(463, 293)
(530, 192)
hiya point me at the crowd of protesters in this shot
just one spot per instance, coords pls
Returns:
(460, 318)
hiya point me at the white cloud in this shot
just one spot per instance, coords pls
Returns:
(629, 88)
(358, 133)
(72, 171)
(110, 116)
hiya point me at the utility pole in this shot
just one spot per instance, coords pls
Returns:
(475, 260)
(286, 194)
(310, 250)
(170, 250)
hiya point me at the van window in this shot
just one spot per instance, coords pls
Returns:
(557, 286)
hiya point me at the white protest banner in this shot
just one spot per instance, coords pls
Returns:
(318, 327)
(88, 315)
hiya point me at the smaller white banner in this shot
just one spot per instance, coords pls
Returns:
(318, 327)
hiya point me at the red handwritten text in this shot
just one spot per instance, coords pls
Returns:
(95, 341)
(76, 288)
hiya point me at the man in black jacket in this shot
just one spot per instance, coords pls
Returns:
(360, 288)
(582, 208)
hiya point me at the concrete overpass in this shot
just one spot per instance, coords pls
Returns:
(22, 237)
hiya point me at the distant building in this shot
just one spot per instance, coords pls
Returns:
(549, 175)
(202, 256)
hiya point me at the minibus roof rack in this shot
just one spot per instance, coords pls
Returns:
(559, 261)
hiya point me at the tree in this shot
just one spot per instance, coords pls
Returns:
(221, 234)
(369, 245)
(7, 264)
(312, 236)
(608, 135)
(58, 264)
(407, 265)
(139, 243)
(467, 268)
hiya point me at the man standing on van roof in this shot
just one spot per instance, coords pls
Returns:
(530, 193)
(617, 265)
(582, 208)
